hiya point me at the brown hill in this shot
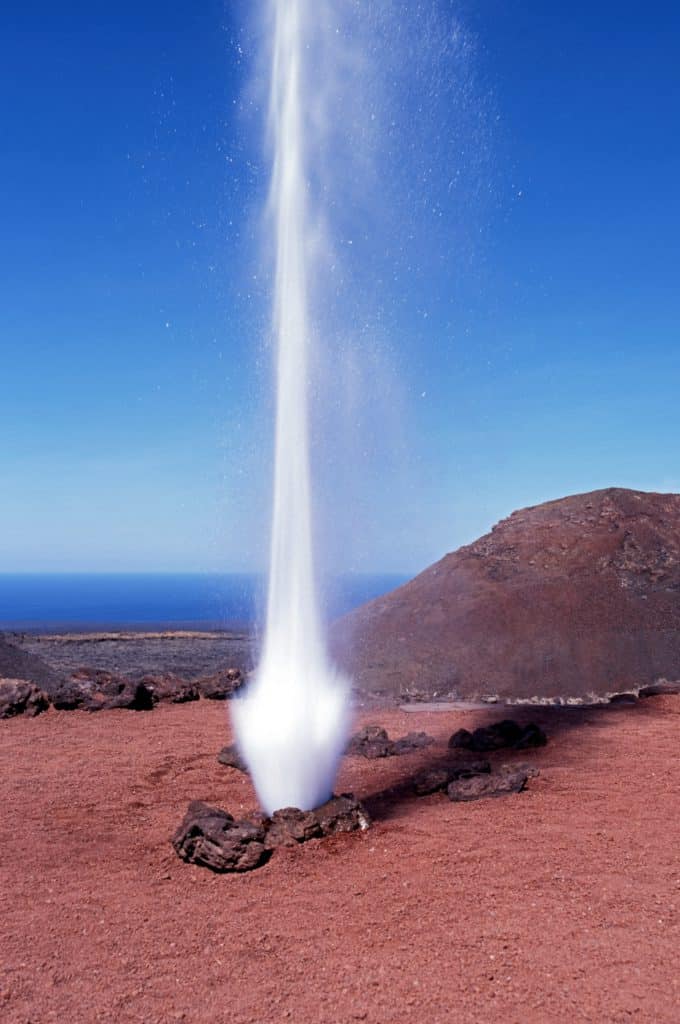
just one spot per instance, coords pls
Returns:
(18, 664)
(576, 596)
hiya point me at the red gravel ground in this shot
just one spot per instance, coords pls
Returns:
(556, 905)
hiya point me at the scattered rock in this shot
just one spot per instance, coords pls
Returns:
(661, 688)
(462, 738)
(290, 826)
(231, 757)
(108, 692)
(412, 741)
(221, 685)
(499, 783)
(70, 695)
(373, 742)
(19, 697)
(171, 689)
(532, 736)
(498, 736)
(433, 780)
(342, 814)
(214, 839)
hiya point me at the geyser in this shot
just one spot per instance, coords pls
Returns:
(292, 724)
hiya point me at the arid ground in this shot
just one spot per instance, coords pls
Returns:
(557, 905)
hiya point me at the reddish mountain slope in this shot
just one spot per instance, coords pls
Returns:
(575, 596)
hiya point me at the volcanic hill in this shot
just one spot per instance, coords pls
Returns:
(575, 597)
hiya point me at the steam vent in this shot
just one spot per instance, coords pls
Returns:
(576, 597)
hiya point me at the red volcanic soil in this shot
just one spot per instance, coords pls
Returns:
(559, 904)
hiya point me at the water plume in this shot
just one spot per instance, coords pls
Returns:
(292, 724)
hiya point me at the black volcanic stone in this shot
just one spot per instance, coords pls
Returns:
(18, 697)
(213, 839)
(290, 826)
(221, 685)
(499, 736)
(532, 736)
(231, 757)
(433, 780)
(506, 780)
(372, 742)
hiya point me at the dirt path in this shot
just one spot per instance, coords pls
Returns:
(556, 906)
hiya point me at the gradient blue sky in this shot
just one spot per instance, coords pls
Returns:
(542, 359)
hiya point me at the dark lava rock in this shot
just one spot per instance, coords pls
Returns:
(170, 689)
(221, 685)
(214, 839)
(373, 742)
(18, 697)
(231, 757)
(532, 736)
(661, 688)
(412, 741)
(462, 739)
(433, 780)
(108, 692)
(70, 695)
(291, 826)
(566, 599)
(342, 814)
(498, 736)
(499, 783)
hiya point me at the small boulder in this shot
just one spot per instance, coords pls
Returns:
(498, 736)
(221, 685)
(170, 689)
(499, 783)
(371, 742)
(231, 757)
(412, 741)
(532, 736)
(18, 697)
(433, 780)
(212, 838)
(290, 826)
(70, 695)
(461, 739)
(342, 814)
(121, 693)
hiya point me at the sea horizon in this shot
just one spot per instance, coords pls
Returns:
(165, 600)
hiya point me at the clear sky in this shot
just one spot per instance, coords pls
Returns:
(529, 344)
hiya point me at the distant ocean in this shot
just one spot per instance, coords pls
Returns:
(158, 601)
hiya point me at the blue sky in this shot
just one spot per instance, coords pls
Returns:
(529, 345)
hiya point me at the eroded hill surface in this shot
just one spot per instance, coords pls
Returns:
(573, 597)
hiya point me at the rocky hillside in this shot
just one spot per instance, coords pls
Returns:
(569, 598)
